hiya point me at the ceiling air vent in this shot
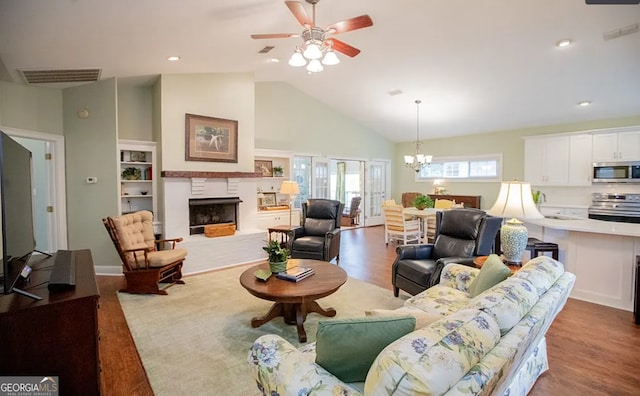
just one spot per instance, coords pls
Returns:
(60, 76)
(623, 31)
(266, 49)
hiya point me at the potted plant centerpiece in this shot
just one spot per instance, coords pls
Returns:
(278, 171)
(278, 256)
(423, 201)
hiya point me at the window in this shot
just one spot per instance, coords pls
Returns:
(471, 168)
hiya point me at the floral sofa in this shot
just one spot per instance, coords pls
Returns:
(490, 344)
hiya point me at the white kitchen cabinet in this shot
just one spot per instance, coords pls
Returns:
(272, 218)
(580, 163)
(558, 160)
(547, 160)
(616, 146)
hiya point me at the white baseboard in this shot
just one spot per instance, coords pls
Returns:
(111, 270)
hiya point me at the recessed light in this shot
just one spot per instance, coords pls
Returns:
(173, 58)
(273, 60)
(584, 103)
(564, 43)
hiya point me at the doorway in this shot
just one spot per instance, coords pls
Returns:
(48, 175)
(347, 182)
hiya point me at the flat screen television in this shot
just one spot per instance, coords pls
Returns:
(16, 211)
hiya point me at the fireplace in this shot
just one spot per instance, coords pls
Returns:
(203, 211)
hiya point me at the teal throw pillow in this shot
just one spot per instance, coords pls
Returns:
(493, 271)
(347, 348)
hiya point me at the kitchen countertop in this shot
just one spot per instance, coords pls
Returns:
(573, 206)
(589, 225)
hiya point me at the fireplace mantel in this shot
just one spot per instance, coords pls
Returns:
(210, 175)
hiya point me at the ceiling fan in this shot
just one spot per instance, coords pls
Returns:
(318, 41)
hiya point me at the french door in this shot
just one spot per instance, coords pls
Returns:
(377, 185)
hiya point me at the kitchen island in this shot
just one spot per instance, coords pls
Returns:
(602, 255)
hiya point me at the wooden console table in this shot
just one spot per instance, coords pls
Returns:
(55, 336)
(469, 201)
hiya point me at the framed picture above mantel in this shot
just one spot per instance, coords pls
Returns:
(210, 139)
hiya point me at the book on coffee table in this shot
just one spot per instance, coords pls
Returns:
(295, 274)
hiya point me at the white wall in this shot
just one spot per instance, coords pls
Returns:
(229, 96)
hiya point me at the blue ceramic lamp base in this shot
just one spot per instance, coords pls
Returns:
(513, 237)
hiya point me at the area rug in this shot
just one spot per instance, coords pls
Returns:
(195, 340)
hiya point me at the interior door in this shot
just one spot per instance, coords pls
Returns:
(377, 186)
(50, 224)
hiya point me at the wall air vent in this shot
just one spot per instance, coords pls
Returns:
(60, 76)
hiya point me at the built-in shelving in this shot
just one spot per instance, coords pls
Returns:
(136, 176)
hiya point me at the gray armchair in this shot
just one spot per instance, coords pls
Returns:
(319, 236)
(461, 235)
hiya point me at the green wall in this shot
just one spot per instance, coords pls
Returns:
(91, 150)
(31, 108)
(288, 119)
(135, 113)
(508, 143)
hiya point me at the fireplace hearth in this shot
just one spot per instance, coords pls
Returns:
(204, 211)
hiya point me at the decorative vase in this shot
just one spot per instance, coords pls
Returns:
(513, 238)
(277, 266)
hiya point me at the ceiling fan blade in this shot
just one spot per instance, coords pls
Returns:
(344, 48)
(298, 11)
(348, 25)
(274, 35)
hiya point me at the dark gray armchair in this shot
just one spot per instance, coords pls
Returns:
(319, 236)
(461, 235)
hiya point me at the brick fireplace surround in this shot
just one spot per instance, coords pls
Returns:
(210, 253)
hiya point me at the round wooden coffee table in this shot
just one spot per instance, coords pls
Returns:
(294, 300)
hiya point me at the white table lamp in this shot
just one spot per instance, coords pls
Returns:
(514, 201)
(291, 189)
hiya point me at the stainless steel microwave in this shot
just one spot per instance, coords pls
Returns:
(616, 172)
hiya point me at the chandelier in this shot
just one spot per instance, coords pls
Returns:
(417, 160)
(314, 48)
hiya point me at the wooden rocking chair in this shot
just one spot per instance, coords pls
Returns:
(143, 265)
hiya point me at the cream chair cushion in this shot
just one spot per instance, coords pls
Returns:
(136, 232)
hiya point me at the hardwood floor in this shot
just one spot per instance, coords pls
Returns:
(593, 350)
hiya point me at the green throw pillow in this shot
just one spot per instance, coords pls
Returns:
(347, 348)
(493, 271)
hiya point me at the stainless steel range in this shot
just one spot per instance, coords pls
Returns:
(615, 207)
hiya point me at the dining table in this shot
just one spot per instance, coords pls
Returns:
(423, 215)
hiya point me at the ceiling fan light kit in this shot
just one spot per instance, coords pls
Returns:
(317, 44)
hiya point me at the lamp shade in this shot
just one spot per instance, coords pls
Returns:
(312, 51)
(314, 66)
(515, 200)
(297, 59)
(330, 58)
(289, 188)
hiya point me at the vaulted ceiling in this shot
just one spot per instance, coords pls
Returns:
(477, 66)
